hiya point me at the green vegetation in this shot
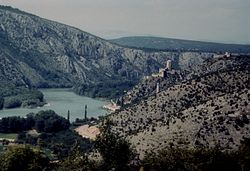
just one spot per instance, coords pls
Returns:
(12, 96)
(107, 89)
(48, 121)
(29, 99)
(116, 151)
(12, 102)
(14, 124)
(117, 154)
(10, 89)
(49, 131)
(43, 121)
(199, 159)
(60, 143)
(77, 161)
(23, 158)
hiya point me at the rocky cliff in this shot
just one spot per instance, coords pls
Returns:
(40, 53)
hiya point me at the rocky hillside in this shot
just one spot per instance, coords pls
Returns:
(208, 109)
(14, 91)
(189, 68)
(148, 86)
(36, 52)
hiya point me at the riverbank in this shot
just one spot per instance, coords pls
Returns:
(112, 107)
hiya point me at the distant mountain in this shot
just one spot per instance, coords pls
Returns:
(36, 52)
(168, 44)
(209, 107)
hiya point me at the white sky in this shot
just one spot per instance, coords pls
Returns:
(211, 20)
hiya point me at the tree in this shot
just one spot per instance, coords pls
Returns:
(49, 121)
(68, 116)
(115, 150)
(76, 161)
(85, 112)
(1, 102)
(43, 121)
(244, 152)
(199, 159)
(23, 158)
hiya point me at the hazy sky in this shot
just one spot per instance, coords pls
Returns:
(211, 20)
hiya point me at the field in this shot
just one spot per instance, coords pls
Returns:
(8, 136)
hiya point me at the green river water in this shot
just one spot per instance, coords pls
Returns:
(62, 100)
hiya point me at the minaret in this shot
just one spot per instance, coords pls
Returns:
(157, 88)
(68, 117)
(85, 113)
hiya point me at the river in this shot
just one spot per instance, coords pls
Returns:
(62, 100)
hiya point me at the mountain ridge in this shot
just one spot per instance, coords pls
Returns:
(152, 43)
(50, 54)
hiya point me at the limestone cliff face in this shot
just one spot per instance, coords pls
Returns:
(44, 53)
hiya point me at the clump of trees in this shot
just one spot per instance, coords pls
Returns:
(49, 121)
(12, 102)
(76, 161)
(23, 158)
(199, 159)
(60, 143)
(12, 96)
(115, 150)
(107, 89)
(44, 121)
(53, 132)
(15, 124)
(31, 98)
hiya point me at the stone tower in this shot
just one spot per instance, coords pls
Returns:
(169, 65)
